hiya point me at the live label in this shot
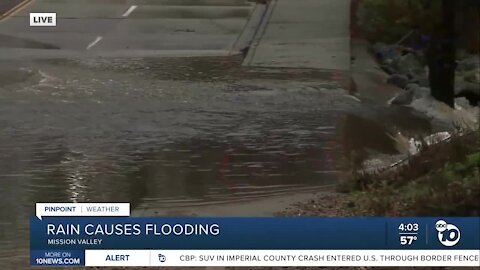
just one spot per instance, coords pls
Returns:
(43, 19)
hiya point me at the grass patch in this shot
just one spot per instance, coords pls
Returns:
(442, 180)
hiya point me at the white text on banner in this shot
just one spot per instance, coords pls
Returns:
(283, 258)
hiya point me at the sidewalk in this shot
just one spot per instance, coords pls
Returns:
(303, 34)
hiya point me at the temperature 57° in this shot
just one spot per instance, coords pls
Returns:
(407, 239)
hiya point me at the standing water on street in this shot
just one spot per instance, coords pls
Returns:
(166, 105)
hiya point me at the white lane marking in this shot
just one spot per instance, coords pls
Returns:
(129, 11)
(353, 97)
(94, 42)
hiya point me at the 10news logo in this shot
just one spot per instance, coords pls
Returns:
(448, 234)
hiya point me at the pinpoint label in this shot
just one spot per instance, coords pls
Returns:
(82, 210)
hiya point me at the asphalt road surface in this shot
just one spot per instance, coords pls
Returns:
(7, 6)
(128, 27)
(103, 108)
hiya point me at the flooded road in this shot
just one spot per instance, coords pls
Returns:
(88, 115)
(170, 132)
(73, 132)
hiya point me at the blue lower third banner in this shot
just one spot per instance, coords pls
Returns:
(189, 242)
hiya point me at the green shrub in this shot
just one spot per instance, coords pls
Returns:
(442, 180)
(451, 191)
(388, 21)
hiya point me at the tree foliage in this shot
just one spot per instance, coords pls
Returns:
(388, 21)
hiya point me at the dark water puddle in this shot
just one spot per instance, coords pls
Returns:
(366, 138)
(10, 76)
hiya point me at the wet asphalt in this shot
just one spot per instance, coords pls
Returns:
(110, 122)
(8, 5)
(128, 26)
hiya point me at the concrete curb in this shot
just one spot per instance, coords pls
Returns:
(260, 31)
(14, 9)
(246, 36)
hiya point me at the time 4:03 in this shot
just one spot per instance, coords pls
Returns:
(408, 227)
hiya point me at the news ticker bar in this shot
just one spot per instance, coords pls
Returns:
(250, 258)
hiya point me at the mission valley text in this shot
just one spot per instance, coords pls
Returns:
(134, 229)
